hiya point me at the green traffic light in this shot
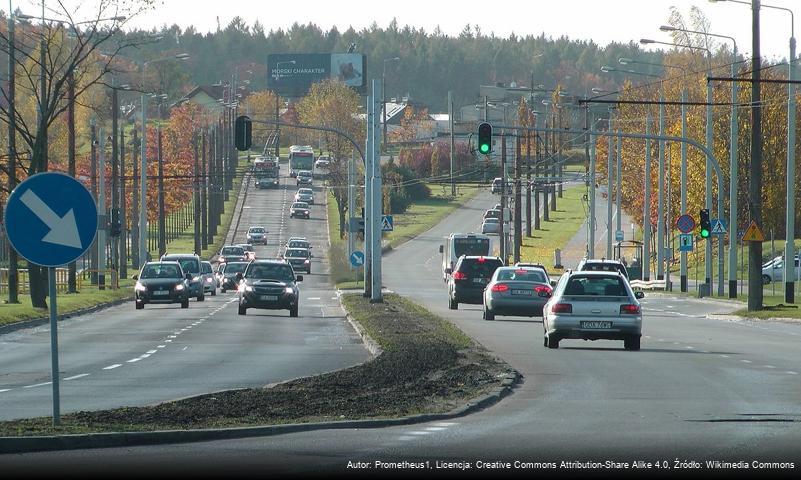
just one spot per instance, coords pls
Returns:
(705, 233)
(484, 148)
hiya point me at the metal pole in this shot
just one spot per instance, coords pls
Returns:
(351, 202)
(162, 212)
(13, 257)
(115, 179)
(619, 180)
(93, 257)
(660, 202)
(204, 188)
(368, 198)
(646, 214)
(101, 207)
(733, 180)
(453, 144)
(708, 178)
(789, 246)
(755, 168)
(54, 346)
(683, 186)
(135, 232)
(518, 238)
(123, 215)
(72, 281)
(502, 232)
(196, 194)
(610, 188)
(591, 220)
(377, 192)
(143, 179)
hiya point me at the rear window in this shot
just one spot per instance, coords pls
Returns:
(233, 251)
(234, 268)
(522, 275)
(596, 286)
(474, 268)
(471, 246)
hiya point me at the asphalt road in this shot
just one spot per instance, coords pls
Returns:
(701, 389)
(125, 357)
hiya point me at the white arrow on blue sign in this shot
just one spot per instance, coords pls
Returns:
(51, 219)
(357, 258)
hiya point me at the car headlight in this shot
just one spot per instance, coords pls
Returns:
(289, 290)
(140, 288)
(306, 262)
(179, 287)
(208, 280)
(196, 279)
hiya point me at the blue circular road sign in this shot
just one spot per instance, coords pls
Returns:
(51, 219)
(685, 223)
(357, 258)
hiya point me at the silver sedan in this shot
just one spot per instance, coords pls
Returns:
(491, 225)
(593, 306)
(516, 291)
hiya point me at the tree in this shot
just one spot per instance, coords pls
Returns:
(261, 106)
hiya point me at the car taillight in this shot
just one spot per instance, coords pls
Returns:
(459, 276)
(543, 288)
(629, 309)
(562, 308)
(481, 259)
(500, 287)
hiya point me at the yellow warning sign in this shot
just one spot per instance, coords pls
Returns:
(753, 233)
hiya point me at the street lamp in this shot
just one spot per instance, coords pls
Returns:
(384, 96)
(789, 247)
(143, 159)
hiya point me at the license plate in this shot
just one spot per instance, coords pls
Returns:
(596, 325)
(161, 292)
(269, 298)
(522, 292)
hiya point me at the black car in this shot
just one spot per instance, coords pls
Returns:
(162, 282)
(232, 253)
(299, 258)
(469, 278)
(229, 272)
(271, 285)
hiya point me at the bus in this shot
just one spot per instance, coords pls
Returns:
(458, 244)
(265, 172)
(301, 157)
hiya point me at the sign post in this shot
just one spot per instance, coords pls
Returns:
(51, 220)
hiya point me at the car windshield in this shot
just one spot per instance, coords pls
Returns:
(234, 268)
(479, 269)
(308, 191)
(188, 265)
(270, 271)
(233, 250)
(491, 220)
(205, 267)
(596, 286)
(298, 244)
(160, 270)
(256, 230)
(297, 253)
(300, 205)
(247, 248)
(521, 275)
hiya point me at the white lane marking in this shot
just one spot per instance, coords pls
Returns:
(173, 336)
(313, 298)
(151, 352)
(161, 346)
(746, 361)
(112, 367)
(405, 438)
(419, 432)
(144, 356)
(168, 341)
(725, 356)
(5, 390)
(689, 347)
(77, 376)
(134, 360)
(790, 372)
(184, 349)
(435, 429)
(769, 366)
(447, 424)
(37, 385)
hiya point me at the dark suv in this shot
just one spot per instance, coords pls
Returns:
(469, 279)
(269, 284)
(602, 265)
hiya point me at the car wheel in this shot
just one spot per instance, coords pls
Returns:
(308, 271)
(765, 279)
(185, 303)
(552, 342)
(139, 305)
(632, 343)
(201, 297)
(242, 310)
(453, 304)
(293, 311)
(214, 292)
(489, 314)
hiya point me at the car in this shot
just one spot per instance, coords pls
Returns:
(298, 243)
(323, 161)
(305, 195)
(250, 254)
(299, 258)
(602, 265)
(491, 225)
(773, 270)
(161, 282)
(516, 291)
(497, 185)
(269, 284)
(228, 272)
(209, 279)
(232, 253)
(304, 177)
(299, 210)
(592, 305)
(190, 263)
(492, 213)
(469, 278)
(257, 236)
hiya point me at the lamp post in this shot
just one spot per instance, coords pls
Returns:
(384, 99)
(143, 160)
(789, 246)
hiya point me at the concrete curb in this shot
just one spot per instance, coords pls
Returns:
(35, 322)
(372, 346)
(127, 439)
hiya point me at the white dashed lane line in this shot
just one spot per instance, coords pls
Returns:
(76, 376)
(5, 390)
(112, 367)
(37, 385)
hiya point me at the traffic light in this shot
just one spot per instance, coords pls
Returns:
(485, 138)
(115, 227)
(704, 225)
(243, 133)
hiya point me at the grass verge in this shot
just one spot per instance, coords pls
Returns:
(427, 365)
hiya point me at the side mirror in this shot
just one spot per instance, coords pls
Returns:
(134, 277)
(448, 270)
(239, 276)
(441, 248)
(188, 276)
(639, 295)
(299, 278)
(544, 294)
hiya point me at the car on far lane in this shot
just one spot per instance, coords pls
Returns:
(162, 282)
(257, 236)
(516, 291)
(491, 225)
(602, 265)
(298, 243)
(304, 177)
(593, 305)
(250, 253)
(229, 272)
(299, 258)
(305, 195)
(232, 253)
(208, 278)
(269, 284)
(299, 210)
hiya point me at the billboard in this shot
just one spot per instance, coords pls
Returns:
(292, 74)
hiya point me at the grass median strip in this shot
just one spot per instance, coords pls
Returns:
(427, 366)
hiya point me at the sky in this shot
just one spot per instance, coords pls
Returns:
(602, 22)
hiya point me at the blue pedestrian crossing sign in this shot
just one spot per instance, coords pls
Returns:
(51, 219)
(357, 258)
(387, 223)
(718, 226)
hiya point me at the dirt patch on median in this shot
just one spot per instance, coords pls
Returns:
(427, 365)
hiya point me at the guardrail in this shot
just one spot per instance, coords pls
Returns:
(649, 285)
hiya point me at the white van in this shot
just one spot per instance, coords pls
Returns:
(458, 244)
